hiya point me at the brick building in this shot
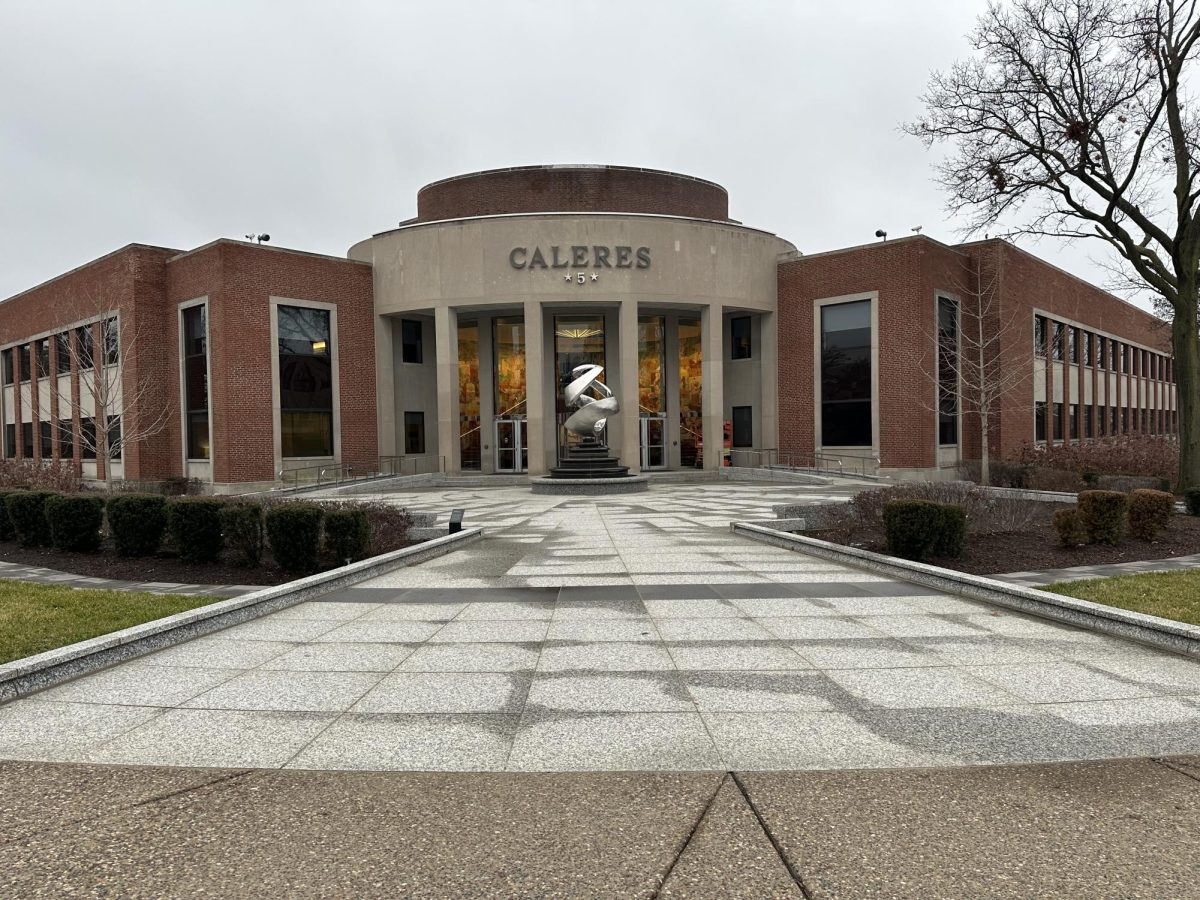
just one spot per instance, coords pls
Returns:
(444, 344)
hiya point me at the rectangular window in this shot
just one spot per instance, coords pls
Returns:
(1088, 337)
(947, 371)
(112, 342)
(1124, 420)
(66, 439)
(305, 382)
(87, 437)
(47, 440)
(23, 361)
(83, 347)
(62, 363)
(1114, 356)
(1073, 421)
(1058, 421)
(743, 426)
(195, 380)
(1039, 420)
(27, 439)
(846, 374)
(1112, 420)
(414, 432)
(6, 359)
(739, 337)
(1102, 352)
(114, 437)
(1039, 336)
(1057, 341)
(410, 335)
(43, 357)
(10, 441)
(1089, 421)
(1073, 339)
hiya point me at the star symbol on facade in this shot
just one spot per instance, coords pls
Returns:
(595, 276)
(567, 277)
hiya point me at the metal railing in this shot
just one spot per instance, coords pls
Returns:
(333, 474)
(772, 458)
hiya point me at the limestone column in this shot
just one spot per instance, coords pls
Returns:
(628, 396)
(385, 385)
(712, 401)
(768, 341)
(445, 327)
(535, 396)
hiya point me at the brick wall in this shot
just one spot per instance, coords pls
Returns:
(563, 189)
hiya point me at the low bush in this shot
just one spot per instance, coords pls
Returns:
(985, 513)
(242, 526)
(347, 535)
(137, 523)
(75, 521)
(953, 534)
(1127, 483)
(294, 534)
(195, 525)
(1069, 525)
(1009, 474)
(27, 511)
(39, 474)
(913, 528)
(1191, 497)
(1103, 515)
(1156, 456)
(1044, 479)
(6, 526)
(1149, 513)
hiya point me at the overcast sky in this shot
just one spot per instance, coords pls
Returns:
(176, 123)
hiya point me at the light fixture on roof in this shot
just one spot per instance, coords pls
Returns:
(881, 234)
(916, 229)
(258, 238)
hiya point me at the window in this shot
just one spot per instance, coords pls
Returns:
(47, 441)
(83, 348)
(1058, 421)
(10, 441)
(846, 374)
(114, 437)
(414, 432)
(947, 371)
(27, 439)
(1039, 336)
(305, 382)
(1089, 421)
(1039, 420)
(1087, 348)
(195, 380)
(1073, 344)
(1124, 420)
(112, 342)
(6, 359)
(1112, 420)
(87, 438)
(743, 426)
(43, 357)
(739, 333)
(66, 439)
(1114, 355)
(410, 336)
(62, 341)
(23, 361)
(1073, 421)
(1102, 352)
(1056, 341)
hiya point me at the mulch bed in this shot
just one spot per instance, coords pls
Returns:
(1038, 548)
(164, 567)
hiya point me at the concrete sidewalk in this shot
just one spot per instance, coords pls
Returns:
(1118, 829)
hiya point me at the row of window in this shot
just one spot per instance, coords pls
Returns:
(1100, 421)
(64, 431)
(1074, 345)
(39, 351)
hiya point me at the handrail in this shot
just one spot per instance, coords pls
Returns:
(335, 473)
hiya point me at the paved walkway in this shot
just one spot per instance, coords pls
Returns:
(1124, 829)
(39, 575)
(625, 633)
(1079, 573)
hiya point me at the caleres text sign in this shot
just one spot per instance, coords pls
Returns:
(580, 257)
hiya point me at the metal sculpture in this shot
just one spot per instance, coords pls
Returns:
(590, 412)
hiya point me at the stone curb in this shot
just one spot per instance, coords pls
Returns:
(1162, 633)
(33, 673)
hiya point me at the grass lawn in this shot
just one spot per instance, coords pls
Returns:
(1172, 595)
(39, 617)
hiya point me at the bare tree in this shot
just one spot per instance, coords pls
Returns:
(982, 383)
(104, 350)
(1074, 119)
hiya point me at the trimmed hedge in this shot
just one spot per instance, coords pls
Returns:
(294, 534)
(195, 524)
(347, 535)
(1103, 514)
(137, 523)
(27, 511)
(954, 531)
(1149, 513)
(6, 526)
(913, 528)
(242, 524)
(1069, 525)
(75, 521)
(1191, 497)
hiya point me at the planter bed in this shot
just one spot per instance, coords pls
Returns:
(1038, 547)
(164, 567)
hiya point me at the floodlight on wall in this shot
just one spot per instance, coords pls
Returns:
(917, 229)
(258, 238)
(881, 234)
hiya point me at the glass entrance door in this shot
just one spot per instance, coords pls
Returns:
(654, 442)
(512, 455)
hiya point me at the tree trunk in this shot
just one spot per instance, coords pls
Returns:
(1185, 340)
(985, 466)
